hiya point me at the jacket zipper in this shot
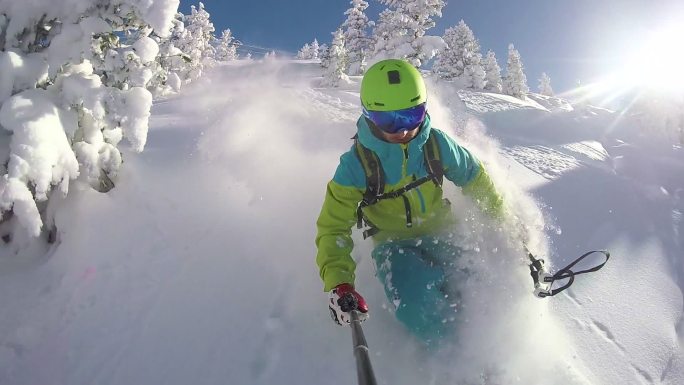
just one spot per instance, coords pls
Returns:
(404, 164)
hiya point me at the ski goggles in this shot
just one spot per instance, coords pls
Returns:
(393, 122)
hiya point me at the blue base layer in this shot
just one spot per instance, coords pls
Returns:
(417, 275)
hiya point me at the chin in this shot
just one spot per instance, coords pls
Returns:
(401, 141)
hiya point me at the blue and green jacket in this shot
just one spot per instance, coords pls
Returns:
(402, 163)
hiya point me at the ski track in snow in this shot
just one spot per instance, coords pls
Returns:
(591, 149)
(485, 103)
(547, 162)
(213, 281)
(604, 331)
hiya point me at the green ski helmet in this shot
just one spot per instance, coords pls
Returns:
(391, 85)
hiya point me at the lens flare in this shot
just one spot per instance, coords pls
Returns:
(656, 63)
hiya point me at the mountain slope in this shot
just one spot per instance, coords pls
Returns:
(199, 267)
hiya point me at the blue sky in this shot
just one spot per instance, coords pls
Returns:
(573, 41)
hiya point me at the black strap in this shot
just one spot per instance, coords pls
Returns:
(375, 175)
(433, 160)
(400, 192)
(409, 215)
(539, 276)
(375, 181)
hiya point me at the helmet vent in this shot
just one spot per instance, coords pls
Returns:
(393, 77)
(416, 98)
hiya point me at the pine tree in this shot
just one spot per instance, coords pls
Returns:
(226, 48)
(515, 81)
(86, 92)
(474, 74)
(492, 73)
(172, 61)
(324, 55)
(309, 51)
(356, 40)
(315, 47)
(129, 61)
(462, 51)
(196, 41)
(545, 85)
(401, 28)
(447, 65)
(304, 52)
(385, 34)
(334, 73)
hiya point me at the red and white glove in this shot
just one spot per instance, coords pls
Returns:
(344, 299)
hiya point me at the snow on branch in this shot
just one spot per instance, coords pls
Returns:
(75, 81)
(401, 31)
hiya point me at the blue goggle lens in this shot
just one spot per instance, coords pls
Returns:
(393, 122)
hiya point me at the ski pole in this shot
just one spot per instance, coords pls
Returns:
(543, 281)
(364, 369)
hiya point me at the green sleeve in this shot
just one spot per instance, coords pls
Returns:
(483, 191)
(465, 170)
(334, 242)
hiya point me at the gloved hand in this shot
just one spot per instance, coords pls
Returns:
(344, 299)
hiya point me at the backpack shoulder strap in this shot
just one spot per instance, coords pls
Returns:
(375, 184)
(433, 160)
(375, 176)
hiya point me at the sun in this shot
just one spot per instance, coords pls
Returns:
(657, 62)
(653, 65)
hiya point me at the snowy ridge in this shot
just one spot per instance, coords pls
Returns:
(205, 272)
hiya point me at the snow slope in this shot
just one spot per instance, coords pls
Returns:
(199, 267)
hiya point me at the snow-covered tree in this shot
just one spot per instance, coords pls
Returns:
(492, 73)
(304, 53)
(196, 42)
(400, 31)
(474, 74)
(309, 51)
(545, 85)
(334, 73)
(315, 48)
(357, 42)
(447, 65)
(324, 55)
(131, 63)
(515, 81)
(462, 50)
(226, 47)
(172, 61)
(270, 55)
(70, 91)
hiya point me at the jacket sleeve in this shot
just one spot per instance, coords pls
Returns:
(483, 191)
(466, 171)
(334, 241)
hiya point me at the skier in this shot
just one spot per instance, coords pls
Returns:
(390, 180)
